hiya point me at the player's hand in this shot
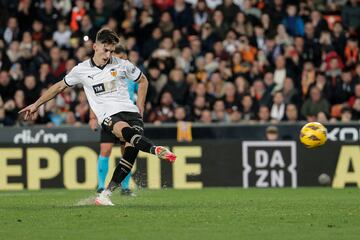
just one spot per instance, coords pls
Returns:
(93, 124)
(30, 112)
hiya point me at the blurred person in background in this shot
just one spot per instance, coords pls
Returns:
(12, 30)
(277, 111)
(231, 98)
(99, 13)
(293, 23)
(324, 85)
(31, 89)
(13, 51)
(280, 72)
(260, 93)
(218, 24)
(180, 114)
(13, 106)
(218, 84)
(291, 113)
(229, 9)
(177, 86)
(322, 117)
(263, 115)
(272, 133)
(206, 116)
(62, 35)
(57, 65)
(290, 93)
(314, 104)
(351, 15)
(339, 38)
(48, 14)
(352, 51)
(198, 106)
(247, 108)
(344, 87)
(45, 77)
(201, 14)
(165, 111)
(77, 13)
(7, 86)
(181, 14)
(346, 115)
(219, 114)
(87, 30)
(354, 103)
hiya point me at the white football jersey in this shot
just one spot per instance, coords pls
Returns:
(106, 88)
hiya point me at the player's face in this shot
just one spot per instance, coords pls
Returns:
(103, 52)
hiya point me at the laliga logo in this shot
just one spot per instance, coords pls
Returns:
(40, 136)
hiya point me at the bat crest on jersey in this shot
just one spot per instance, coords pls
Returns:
(113, 72)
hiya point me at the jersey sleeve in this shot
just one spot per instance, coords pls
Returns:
(73, 77)
(132, 72)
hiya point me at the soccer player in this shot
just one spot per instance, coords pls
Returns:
(103, 78)
(107, 139)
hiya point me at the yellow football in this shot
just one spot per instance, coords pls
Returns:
(313, 134)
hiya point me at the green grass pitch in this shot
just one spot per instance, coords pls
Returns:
(212, 213)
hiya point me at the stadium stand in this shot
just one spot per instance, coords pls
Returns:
(207, 61)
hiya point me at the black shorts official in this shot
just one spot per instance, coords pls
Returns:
(134, 119)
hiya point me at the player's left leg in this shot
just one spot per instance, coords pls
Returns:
(124, 167)
(121, 171)
(125, 184)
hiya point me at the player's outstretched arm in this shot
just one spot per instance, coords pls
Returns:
(142, 91)
(30, 112)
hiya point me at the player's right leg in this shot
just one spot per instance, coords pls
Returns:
(131, 135)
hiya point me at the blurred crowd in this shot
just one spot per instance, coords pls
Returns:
(206, 60)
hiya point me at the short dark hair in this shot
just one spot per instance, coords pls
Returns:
(107, 36)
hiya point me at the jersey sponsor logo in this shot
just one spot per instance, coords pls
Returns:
(104, 88)
(99, 88)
